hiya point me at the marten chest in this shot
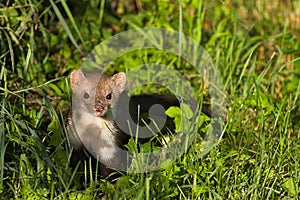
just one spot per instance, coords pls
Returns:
(98, 135)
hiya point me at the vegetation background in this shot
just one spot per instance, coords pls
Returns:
(254, 44)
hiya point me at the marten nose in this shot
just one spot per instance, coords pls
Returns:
(98, 107)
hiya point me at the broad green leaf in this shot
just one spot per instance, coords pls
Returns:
(289, 186)
(173, 112)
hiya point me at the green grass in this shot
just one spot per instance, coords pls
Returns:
(255, 46)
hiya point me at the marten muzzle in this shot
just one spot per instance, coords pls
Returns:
(100, 109)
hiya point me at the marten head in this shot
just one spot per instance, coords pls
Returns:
(96, 93)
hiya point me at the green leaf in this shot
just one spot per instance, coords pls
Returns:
(132, 145)
(203, 118)
(181, 117)
(289, 186)
(173, 112)
(177, 124)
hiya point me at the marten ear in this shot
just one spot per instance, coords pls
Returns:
(75, 77)
(120, 80)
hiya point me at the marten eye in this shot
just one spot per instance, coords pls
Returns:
(86, 95)
(108, 97)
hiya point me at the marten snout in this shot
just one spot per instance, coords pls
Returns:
(99, 109)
